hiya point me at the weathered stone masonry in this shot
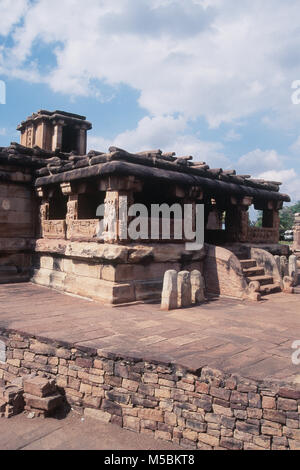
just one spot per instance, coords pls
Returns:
(203, 409)
(50, 191)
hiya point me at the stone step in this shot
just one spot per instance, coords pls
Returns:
(13, 278)
(269, 289)
(255, 271)
(263, 280)
(8, 269)
(248, 263)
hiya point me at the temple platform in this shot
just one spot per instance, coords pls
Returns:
(251, 339)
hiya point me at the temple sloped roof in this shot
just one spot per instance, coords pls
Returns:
(58, 167)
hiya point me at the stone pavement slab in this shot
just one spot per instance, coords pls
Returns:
(251, 338)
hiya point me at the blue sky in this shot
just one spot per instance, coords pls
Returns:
(210, 78)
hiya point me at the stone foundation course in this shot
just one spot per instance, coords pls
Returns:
(203, 409)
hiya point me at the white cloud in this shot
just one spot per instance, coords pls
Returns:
(219, 59)
(223, 60)
(269, 165)
(2, 131)
(289, 179)
(168, 134)
(11, 13)
(261, 160)
(232, 136)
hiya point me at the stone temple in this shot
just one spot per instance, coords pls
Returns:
(221, 375)
(50, 189)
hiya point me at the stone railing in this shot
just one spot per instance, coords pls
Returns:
(223, 273)
(82, 229)
(263, 235)
(54, 229)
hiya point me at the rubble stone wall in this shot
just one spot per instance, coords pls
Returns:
(203, 409)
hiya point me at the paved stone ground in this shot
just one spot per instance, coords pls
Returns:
(71, 433)
(251, 338)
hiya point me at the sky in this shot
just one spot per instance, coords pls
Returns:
(216, 79)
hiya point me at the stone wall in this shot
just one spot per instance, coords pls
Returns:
(204, 409)
(110, 273)
(17, 223)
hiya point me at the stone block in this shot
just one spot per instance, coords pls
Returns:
(275, 416)
(43, 403)
(39, 387)
(269, 403)
(231, 443)
(150, 414)
(97, 414)
(287, 404)
(132, 423)
(91, 402)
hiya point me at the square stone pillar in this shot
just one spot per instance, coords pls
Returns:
(114, 206)
(57, 136)
(237, 220)
(43, 208)
(81, 142)
(72, 204)
(115, 215)
(30, 136)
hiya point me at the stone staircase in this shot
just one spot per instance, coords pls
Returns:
(252, 272)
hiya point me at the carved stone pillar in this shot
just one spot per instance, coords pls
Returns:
(30, 136)
(116, 207)
(72, 204)
(237, 220)
(116, 219)
(72, 209)
(43, 209)
(189, 197)
(43, 215)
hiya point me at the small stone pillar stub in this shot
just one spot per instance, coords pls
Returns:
(169, 293)
(197, 287)
(293, 270)
(277, 260)
(288, 285)
(296, 244)
(284, 266)
(184, 289)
